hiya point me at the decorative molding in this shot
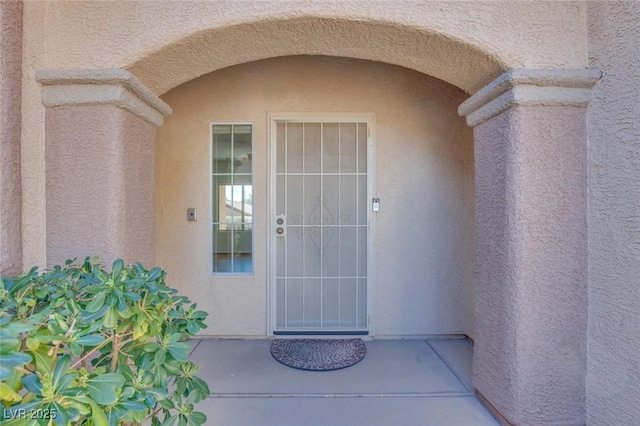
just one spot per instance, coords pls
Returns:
(530, 87)
(115, 86)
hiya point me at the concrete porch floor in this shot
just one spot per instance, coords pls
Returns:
(399, 382)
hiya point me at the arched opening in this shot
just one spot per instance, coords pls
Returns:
(420, 242)
(430, 52)
(436, 184)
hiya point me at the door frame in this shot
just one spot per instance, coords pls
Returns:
(297, 117)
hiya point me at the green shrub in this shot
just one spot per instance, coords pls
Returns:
(80, 345)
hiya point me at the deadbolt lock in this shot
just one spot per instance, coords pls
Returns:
(280, 225)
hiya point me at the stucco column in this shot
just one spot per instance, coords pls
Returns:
(531, 244)
(10, 116)
(100, 165)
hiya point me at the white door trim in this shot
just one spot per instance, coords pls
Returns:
(272, 119)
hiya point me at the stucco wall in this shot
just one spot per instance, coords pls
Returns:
(424, 177)
(10, 102)
(531, 307)
(614, 216)
(542, 34)
(166, 43)
(100, 184)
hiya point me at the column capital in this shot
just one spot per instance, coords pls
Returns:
(113, 86)
(530, 87)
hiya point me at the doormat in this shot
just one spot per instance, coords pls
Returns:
(318, 354)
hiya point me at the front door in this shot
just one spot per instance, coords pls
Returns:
(320, 226)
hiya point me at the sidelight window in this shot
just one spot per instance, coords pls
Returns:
(232, 198)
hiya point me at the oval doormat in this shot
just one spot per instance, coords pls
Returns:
(318, 354)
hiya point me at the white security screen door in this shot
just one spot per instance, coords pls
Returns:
(320, 226)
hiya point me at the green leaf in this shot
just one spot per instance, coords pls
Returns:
(151, 347)
(132, 296)
(160, 356)
(122, 303)
(192, 327)
(33, 343)
(198, 418)
(8, 394)
(91, 280)
(160, 379)
(154, 274)
(110, 320)
(127, 392)
(179, 351)
(4, 372)
(62, 322)
(14, 359)
(118, 266)
(96, 315)
(62, 415)
(127, 312)
(60, 371)
(32, 383)
(170, 421)
(90, 340)
(98, 416)
(159, 393)
(42, 360)
(103, 388)
(80, 403)
(199, 388)
(75, 349)
(133, 405)
(10, 343)
(181, 385)
(13, 381)
(115, 414)
(137, 417)
(17, 327)
(96, 303)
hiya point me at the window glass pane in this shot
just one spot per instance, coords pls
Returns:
(222, 250)
(221, 149)
(242, 149)
(232, 199)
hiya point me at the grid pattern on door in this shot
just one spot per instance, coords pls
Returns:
(321, 257)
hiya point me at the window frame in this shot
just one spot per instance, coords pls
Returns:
(210, 197)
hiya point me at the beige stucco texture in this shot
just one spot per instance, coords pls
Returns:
(423, 249)
(100, 184)
(531, 282)
(10, 109)
(613, 376)
(199, 35)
